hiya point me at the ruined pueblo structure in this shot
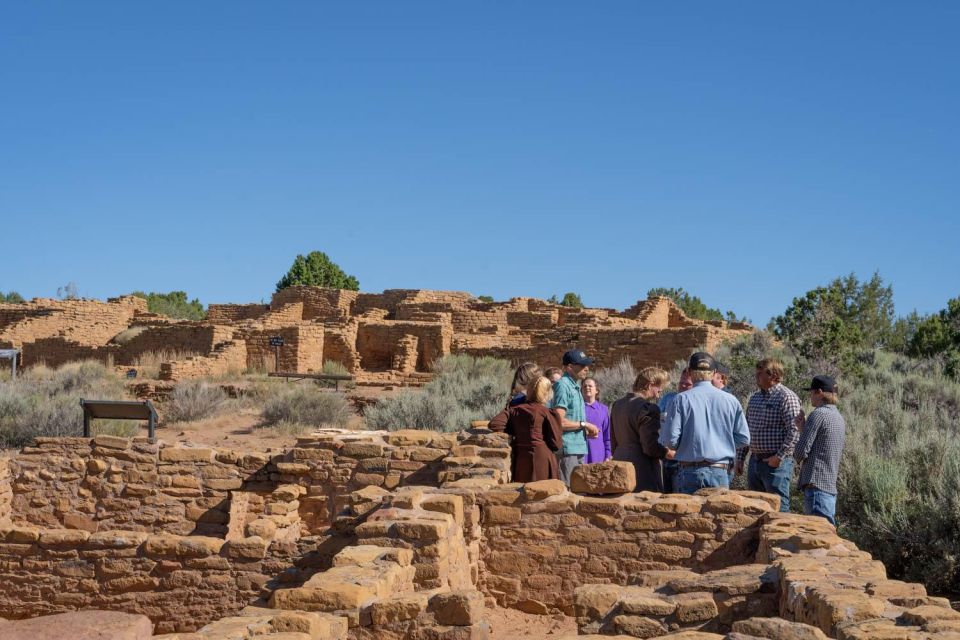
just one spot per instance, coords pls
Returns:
(387, 338)
(413, 535)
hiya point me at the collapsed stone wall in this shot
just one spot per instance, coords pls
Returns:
(394, 556)
(381, 338)
(541, 541)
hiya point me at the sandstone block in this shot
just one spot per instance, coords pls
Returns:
(409, 438)
(116, 539)
(96, 467)
(542, 489)
(593, 601)
(778, 629)
(445, 503)
(397, 608)
(496, 514)
(293, 468)
(646, 604)
(63, 537)
(19, 535)
(678, 504)
(421, 529)
(457, 608)
(610, 477)
(695, 607)
(80, 625)
(111, 442)
(638, 626)
(362, 450)
(80, 521)
(252, 548)
(365, 554)
(263, 528)
(186, 454)
(921, 615)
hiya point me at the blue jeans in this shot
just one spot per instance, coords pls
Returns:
(671, 473)
(820, 503)
(692, 479)
(763, 477)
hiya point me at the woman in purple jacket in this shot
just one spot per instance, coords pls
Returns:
(598, 449)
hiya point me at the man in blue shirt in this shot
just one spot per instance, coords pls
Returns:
(705, 428)
(568, 403)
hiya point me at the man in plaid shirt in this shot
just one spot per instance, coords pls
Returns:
(771, 412)
(820, 447)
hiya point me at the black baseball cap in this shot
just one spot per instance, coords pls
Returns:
(702, 361)
(722, 368)
(823, 383)
(575, 356)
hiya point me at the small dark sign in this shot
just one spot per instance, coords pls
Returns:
(276, 341)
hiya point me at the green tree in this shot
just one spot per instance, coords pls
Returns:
(173, 305)
(692, 306)
(570, 299)
(837, 322)
(11, 298)
(317, 270)
(939, 335)
(485, 298)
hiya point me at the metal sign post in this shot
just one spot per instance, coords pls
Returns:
(12, 355)
(276, 342)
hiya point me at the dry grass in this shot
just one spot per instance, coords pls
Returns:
(148, 364)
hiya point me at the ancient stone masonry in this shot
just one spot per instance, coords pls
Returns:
(391, 337)
(410, 535)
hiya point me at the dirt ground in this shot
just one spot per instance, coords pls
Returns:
(510, 623)
(238, 428)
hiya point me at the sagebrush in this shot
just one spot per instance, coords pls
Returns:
(46, 402)
(464, 389)
(307, 406)
(194, 400)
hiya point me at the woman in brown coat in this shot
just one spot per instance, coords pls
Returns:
(536, 434)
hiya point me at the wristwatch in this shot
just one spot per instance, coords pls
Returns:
(582, 424)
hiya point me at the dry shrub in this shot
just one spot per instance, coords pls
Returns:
(148, 363)
(46, 402)
(194, 400)
(616, 381)
(307, 406)
(464, 389)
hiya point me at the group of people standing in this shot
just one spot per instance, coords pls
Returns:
(679, 442)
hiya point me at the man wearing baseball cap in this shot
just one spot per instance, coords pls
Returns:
(568, 403)
(822, 437)
(705, 428)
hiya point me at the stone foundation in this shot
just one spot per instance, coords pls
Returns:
(409, 535)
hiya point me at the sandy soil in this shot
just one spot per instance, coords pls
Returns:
(510, 623)
(227, 431)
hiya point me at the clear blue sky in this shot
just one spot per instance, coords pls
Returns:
(745, 151)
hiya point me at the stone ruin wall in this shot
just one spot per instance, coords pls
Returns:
(384, 338)
(408, 535)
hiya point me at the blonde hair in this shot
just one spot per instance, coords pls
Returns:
(772, 366)
(830, 397)
(524, 374)
(539, 390)
(700, 376)
(649, 377)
